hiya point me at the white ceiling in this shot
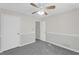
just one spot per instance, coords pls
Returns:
(27, 9)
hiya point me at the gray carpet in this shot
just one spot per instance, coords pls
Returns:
(39, 48)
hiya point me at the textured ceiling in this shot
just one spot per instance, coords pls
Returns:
(27, 9)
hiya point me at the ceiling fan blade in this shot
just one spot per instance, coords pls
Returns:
(45, 13)
(34, 5)
(34, 12)
(51, 7)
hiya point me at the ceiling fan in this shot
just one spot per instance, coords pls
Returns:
(44, 11)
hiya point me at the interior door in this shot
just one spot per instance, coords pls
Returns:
(10, 32)
(43, 30)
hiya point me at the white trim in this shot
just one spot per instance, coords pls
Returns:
(27, 43)
(74, 35)
(27, 33)
(60, 45)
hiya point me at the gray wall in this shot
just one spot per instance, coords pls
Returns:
(63, 30)
(27, 30)
(27, 25)
(67, 23)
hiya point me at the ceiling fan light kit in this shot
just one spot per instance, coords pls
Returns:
(40, 12)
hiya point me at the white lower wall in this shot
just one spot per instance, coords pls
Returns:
(68, 41)
(27, 38)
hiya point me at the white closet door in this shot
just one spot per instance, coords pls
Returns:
(10, 32)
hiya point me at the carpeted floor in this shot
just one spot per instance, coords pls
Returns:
(39, 48)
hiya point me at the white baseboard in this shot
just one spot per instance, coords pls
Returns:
(27, 43)
(63, 46)
(57, 40)
(1, 51)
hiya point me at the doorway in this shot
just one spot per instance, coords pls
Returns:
(40, 30)
(37, 30)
